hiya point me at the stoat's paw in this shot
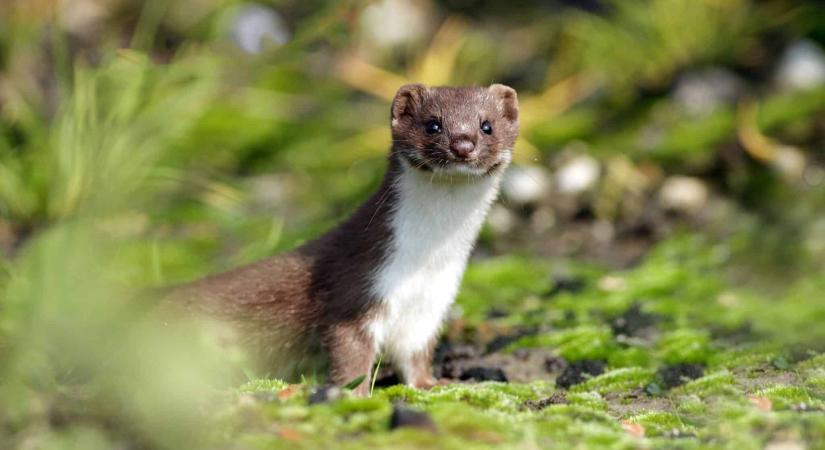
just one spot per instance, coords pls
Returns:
(430, 382)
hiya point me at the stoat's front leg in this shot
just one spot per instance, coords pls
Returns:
(351, 354)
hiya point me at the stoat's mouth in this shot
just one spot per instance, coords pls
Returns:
(415, 164)
(453, 168)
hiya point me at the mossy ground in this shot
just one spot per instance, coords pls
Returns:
(757, 382)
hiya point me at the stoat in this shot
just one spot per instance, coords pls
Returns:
(383, 280)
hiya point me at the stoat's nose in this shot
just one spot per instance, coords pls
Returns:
(462, 148)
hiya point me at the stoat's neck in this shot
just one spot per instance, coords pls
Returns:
(432, 228)
(437, 218)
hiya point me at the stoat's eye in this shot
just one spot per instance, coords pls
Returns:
(432, 127)
(486, 127)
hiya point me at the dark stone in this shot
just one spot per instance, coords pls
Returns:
(677, 374)
(554, 364)
(496, 313)
(324, 394)
(565, 284)
(479, 373)
(446, 351)
(579, 371)
(446, 356)
(744, 332)
(521, 353)
(387, 378)
(501, 342)
(403, 416)
(633, 321)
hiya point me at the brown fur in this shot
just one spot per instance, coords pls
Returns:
(313, 301)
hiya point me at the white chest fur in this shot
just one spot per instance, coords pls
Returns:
(435, 224)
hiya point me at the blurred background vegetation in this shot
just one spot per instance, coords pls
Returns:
(145, 143)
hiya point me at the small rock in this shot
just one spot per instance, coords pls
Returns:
(612, 283)
(633, 321)
(255, 26)
(683, 194)
(501, 219)
(522, 354)
(813, 176)
(802, 66)
(501, 341)
(524, 185)
(787, 444)
(676, 433)
(677, 374)
(403, 416)
(391, 23)
(324, 394)
(702, 91)
(447, 356)
(578, 372)
(479, 373)
(579, 174)
(602, 232)
(542, 220)
(563, 283)
(83, 17)
(447, 351)
(496, 313)
(790, 162)
(558, 398)
(387, 376)
(554, 364)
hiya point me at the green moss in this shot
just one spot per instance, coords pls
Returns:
(490, 395)
(786, 397)
(690, 404)
(717, 383)
(630, 356)
(515, 278)
(263, 385)
(580, 413)
(816, 362)
(657, 423)
(617, 380)
(574, 344)
(473, 425)
(816, 383)
(742, 356)
(685, 346)
(588, 399)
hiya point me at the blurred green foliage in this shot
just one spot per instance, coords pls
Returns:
(139, 146)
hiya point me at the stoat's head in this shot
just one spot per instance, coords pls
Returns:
(466, 131)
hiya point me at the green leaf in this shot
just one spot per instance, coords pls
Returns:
(355, 382)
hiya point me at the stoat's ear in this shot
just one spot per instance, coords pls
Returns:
(407, 100)
(508, 100)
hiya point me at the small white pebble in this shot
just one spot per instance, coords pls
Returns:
(255, 26)
(579, 174)
(802, 66)
(501, 219)
(612, 283)
(525, 184)
(790, 162)
(785, 445)
(683, 194)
